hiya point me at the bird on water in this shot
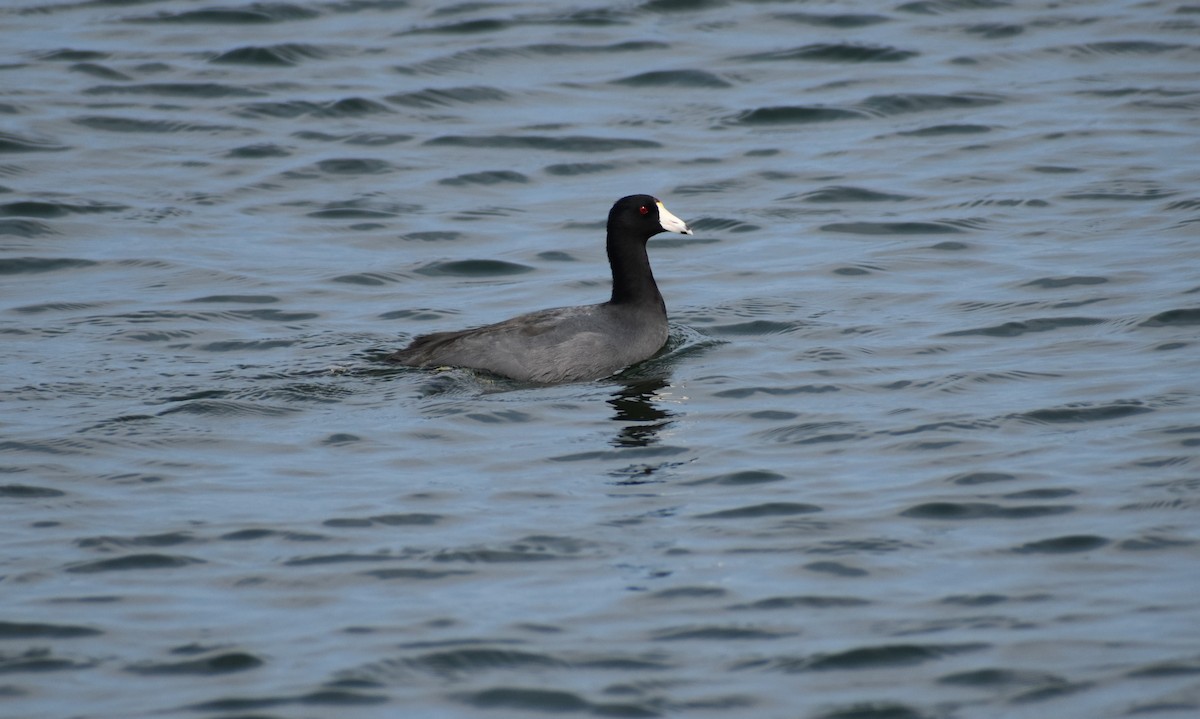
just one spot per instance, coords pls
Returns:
(572, 344)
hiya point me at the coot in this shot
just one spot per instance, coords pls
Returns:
(572, 344)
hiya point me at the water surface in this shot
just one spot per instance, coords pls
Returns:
(923, 442)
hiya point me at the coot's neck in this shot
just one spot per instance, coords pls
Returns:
(633, 282)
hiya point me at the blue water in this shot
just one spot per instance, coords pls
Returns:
(923, 442)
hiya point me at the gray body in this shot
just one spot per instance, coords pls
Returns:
(565, 344)
(572, 344)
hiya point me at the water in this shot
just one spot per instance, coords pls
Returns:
(923, 442)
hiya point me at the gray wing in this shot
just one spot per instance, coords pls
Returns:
(556, 345)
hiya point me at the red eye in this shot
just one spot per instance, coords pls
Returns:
(644, 210)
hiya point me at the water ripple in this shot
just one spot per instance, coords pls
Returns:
(285, 54)
(12, 143)
(253, 14)
(881, 421)
(834, 52)
(576, 143)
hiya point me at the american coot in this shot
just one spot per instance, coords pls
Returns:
(572, 344)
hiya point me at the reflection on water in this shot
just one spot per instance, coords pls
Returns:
(638, 405)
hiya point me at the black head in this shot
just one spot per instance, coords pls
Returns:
(644, 216)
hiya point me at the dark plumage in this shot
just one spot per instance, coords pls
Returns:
(571, 344)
